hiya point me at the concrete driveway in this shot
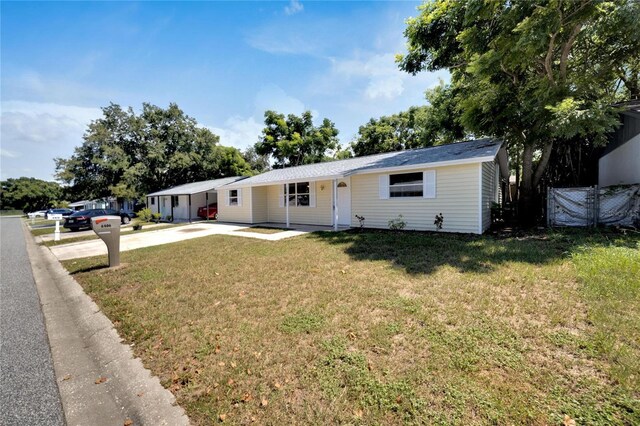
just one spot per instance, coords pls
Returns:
(165, 236)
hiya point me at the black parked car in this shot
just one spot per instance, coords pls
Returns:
(63, 212)
(82, 219)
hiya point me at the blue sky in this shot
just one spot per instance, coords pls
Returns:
(223, 63)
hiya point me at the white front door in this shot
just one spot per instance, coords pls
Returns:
(344, 202)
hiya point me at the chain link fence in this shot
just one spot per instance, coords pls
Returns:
(591, 206)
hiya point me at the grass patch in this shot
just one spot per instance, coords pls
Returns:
(11, 213)
(262, 230)
(385, 328)
(302, 322)
(46, 231)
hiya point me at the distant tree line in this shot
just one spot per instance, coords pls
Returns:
(127, 155)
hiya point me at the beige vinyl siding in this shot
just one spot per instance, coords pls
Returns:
(238, 214)
(457, 198)
(259, 204)
(321, 214)
(488, 192)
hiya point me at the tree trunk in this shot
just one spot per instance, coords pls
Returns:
(525, 197)
(530, 181)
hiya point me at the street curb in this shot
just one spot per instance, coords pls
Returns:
(85, 346)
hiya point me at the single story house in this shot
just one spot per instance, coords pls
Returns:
(108, 203)
(620, 162)
(459, 181)
(182, 202)
(88, 205)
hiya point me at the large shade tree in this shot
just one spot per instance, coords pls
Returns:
(434, 124)
(127, 155)
(29, 194)
(294, 140)
(534, 73)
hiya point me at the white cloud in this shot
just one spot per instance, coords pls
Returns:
(294, 7)
(242, 132)
(238, 132)
(34, 133)
(8, 154)
(273, 97)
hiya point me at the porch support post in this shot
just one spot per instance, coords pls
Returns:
(189, 208)
(335, 204)
(206, 200)
(286, 201)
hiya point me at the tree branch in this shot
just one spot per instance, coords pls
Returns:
(566, 49)
(548, 60)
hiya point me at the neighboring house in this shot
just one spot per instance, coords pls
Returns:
(458, 180)
(87, 205)
(108, 203)
(182, 202)
(620, 163)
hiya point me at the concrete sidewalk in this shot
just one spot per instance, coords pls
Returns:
(100, 381)
(165, 236)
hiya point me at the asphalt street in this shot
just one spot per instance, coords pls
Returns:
(28, 390)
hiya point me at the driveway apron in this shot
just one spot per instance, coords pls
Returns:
(28, 390)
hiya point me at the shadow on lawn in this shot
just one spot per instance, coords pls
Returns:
(87, 269)
(424, 252)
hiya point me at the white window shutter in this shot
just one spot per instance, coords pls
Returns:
(383, 186)
(226, 199)
(281, 196)
(429, 184)
(239, 196)
(312, 194)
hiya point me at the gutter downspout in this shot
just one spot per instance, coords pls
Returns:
(286, 201)
(335, 204)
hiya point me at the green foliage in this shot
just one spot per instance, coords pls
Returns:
(532, 73)
(127, 155)
(156, 217)
(397, 224)
(29, 194)
(439, 221)
(294, 140)
(258, 163)
(145, 215)
(418, 127)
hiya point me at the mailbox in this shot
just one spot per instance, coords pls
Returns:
(108, 229)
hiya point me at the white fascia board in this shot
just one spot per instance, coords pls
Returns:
(423, 165)
(282, 182)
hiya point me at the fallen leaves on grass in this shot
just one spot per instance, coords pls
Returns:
(100, 380)
(128, 422)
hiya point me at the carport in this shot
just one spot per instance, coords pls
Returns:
(182, 202)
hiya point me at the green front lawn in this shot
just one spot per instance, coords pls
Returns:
(385, 328)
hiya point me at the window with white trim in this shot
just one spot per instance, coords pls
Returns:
(299, 194)
(175, 201)
(153, 201)
(406, 185)
(233, 197)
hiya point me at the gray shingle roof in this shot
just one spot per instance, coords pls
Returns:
(476, 149)
(195, 187)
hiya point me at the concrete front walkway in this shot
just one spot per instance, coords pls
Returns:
(172, 235)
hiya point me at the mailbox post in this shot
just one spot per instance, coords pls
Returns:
(108, 229)
(57, 218)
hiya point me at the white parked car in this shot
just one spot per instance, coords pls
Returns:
(39, 213)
